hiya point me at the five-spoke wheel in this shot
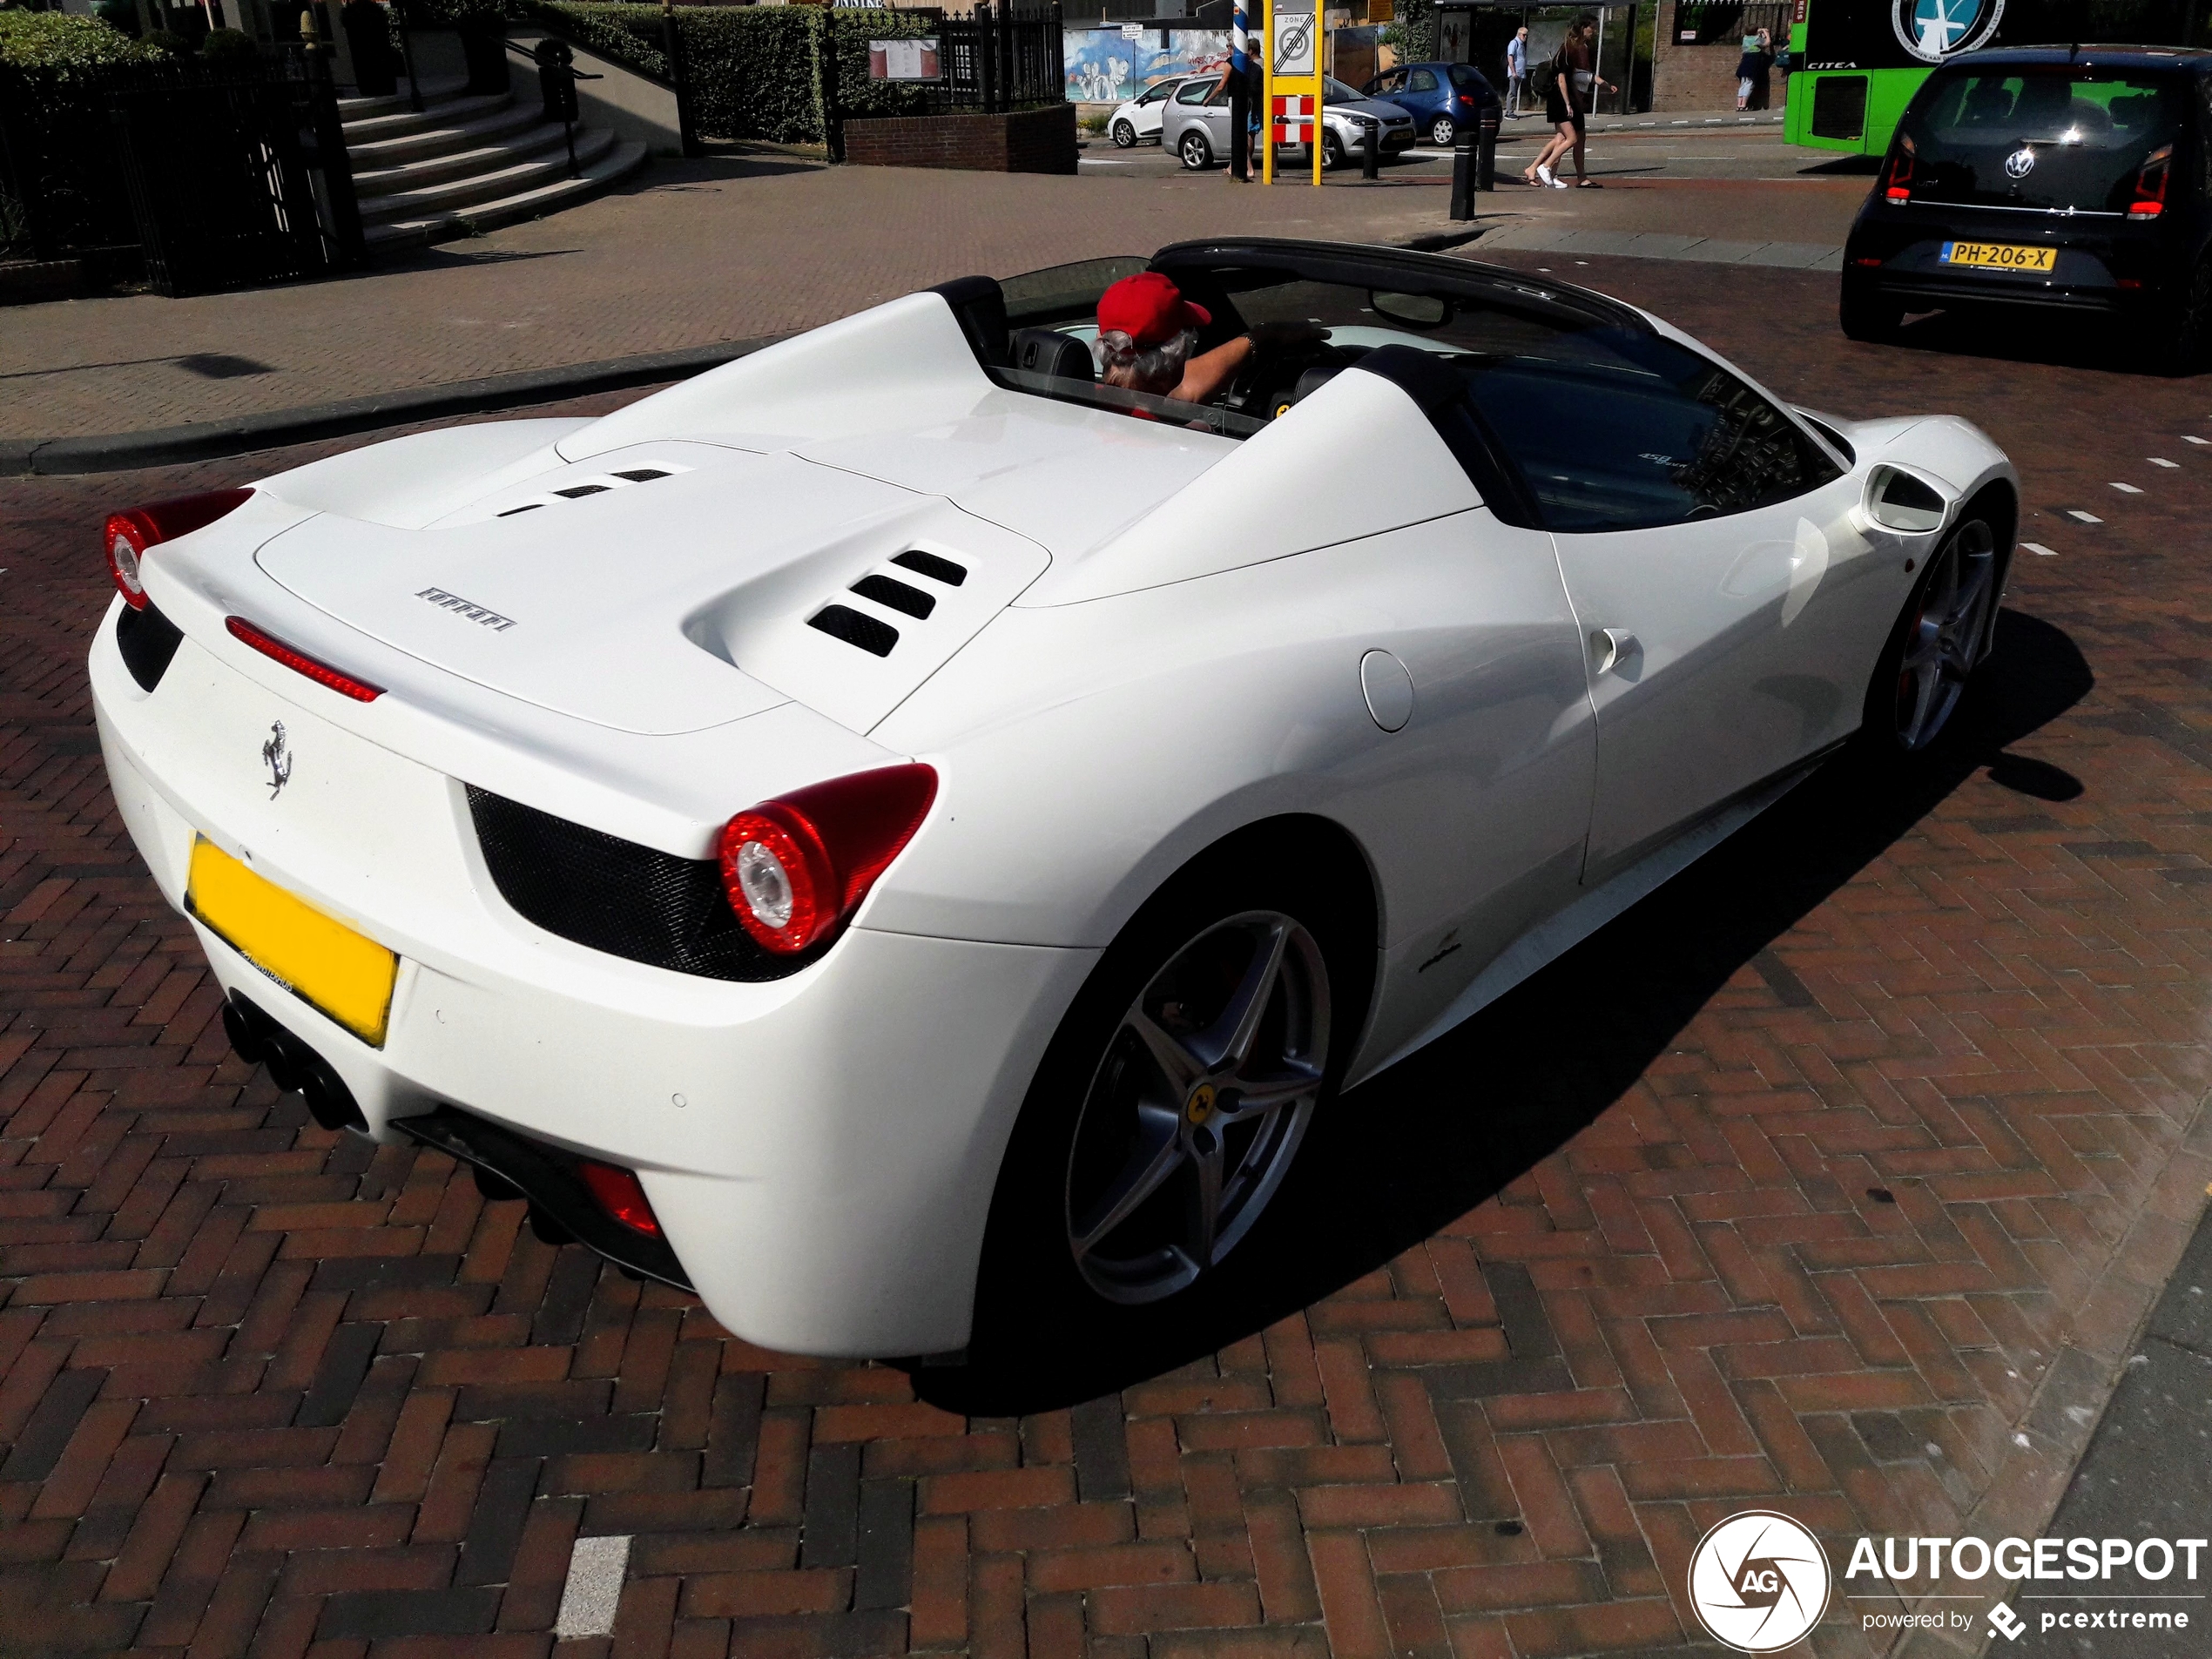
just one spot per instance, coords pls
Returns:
(1941, 636)
(1198, 1106)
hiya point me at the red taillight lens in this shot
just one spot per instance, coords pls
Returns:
(1896, 182)
(300, 663)
(796, 866)
(2150, 185)
(617, 1191)
(1468, 99)
(130, 533)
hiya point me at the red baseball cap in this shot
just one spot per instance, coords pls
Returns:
(1148, 308)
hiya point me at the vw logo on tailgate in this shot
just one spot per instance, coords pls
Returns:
(2020, 163)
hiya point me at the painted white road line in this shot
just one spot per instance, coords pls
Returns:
(2127, 490)
(2161, 460)
(2197, 441)
(2085, 518)
(2038, 547)
(593, 1588)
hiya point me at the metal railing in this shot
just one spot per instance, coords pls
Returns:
(194, 179)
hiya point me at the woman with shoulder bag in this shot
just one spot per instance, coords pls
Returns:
(1573, 84)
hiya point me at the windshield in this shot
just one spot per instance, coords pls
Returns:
(2052, 138)
(1335, 91)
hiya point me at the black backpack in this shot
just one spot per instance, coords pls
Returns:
(1541, 75)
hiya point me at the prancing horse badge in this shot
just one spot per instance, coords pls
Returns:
(276, 757)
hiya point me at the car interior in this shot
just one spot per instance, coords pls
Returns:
(1568, 409)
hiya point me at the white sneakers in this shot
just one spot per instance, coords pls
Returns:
(1550, 181)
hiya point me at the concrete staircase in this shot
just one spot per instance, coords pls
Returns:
(469, 163)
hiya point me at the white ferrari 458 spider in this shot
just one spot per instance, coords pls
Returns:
(895, 815)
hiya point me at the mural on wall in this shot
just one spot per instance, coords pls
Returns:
(1106, 66)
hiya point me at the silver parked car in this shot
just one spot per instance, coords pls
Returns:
(1196, 126)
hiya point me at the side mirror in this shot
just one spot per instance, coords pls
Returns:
(1897, 500)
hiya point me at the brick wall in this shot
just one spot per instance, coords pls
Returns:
(1697, 77)
(1024, 141)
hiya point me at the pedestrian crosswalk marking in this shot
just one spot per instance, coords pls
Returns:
(2127, 490)
(2038, 547)
(2087, 518)
(2161, 460)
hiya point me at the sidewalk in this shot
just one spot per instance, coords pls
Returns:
(698, 254)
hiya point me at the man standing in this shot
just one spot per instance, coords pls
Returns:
(1516, 69)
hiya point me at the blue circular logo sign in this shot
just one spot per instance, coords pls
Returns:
(1934, 29)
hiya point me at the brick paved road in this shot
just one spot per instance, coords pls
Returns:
(1834, 1178)
(695, 254)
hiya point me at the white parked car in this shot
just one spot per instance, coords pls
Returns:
(875, 820)
(1138, 119)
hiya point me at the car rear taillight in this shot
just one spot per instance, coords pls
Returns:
(300, 663)
(796, 866)
(619, 1194)
(2150, 185)
(1466, 100)
(130, 533)
(1897, 181)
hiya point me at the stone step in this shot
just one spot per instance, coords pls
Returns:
(517, 145)
(448, 112)
(380, 154)
(434, 92)
(614, 164)
(495, 184)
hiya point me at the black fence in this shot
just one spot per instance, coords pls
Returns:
(193, 178)
(997, 60)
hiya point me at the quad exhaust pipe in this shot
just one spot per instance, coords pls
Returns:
(294, 1065)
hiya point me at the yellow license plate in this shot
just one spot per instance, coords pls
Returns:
(1999, 256)
(324, 963)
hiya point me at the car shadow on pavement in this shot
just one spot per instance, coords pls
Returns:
(1407, 1153)
(2093, 342)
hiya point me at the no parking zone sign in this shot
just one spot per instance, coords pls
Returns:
(1293, 82)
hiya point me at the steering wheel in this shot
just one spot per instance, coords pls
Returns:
(1264, 385)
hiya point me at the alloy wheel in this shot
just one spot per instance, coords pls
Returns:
(1196, 1107)
(1124, 136)
(1197, 154)
(1941, 642)
(1442, 133)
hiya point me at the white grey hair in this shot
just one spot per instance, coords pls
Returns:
(1114, 349)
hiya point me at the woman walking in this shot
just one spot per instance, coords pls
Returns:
(1572, 83)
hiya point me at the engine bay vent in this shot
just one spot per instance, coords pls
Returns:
(937, 568)
(855, 628)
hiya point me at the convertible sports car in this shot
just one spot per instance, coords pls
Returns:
(893, 815)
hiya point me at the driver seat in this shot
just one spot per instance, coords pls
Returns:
(1046, 351)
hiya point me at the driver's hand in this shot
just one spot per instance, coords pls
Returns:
(1275, 336)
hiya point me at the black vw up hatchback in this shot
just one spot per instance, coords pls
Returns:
(2071, 181)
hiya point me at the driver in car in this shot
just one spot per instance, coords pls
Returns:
(1146, 333)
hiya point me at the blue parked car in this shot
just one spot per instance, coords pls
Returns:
(1441, 98)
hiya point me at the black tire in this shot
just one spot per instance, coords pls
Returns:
(1331, 153)
(2188, 349)
(1077, 1140)
(1442, 132)
(1911, 700)
(1197, 152)
(1124, 136)
(1868, 316)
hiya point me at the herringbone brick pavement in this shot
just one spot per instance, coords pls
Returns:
(1832, 1180)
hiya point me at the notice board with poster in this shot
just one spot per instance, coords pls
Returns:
(913, 59)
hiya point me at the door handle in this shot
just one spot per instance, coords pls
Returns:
(1610, 647)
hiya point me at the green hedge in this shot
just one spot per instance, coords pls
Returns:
(59, 44)
(753, 72)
